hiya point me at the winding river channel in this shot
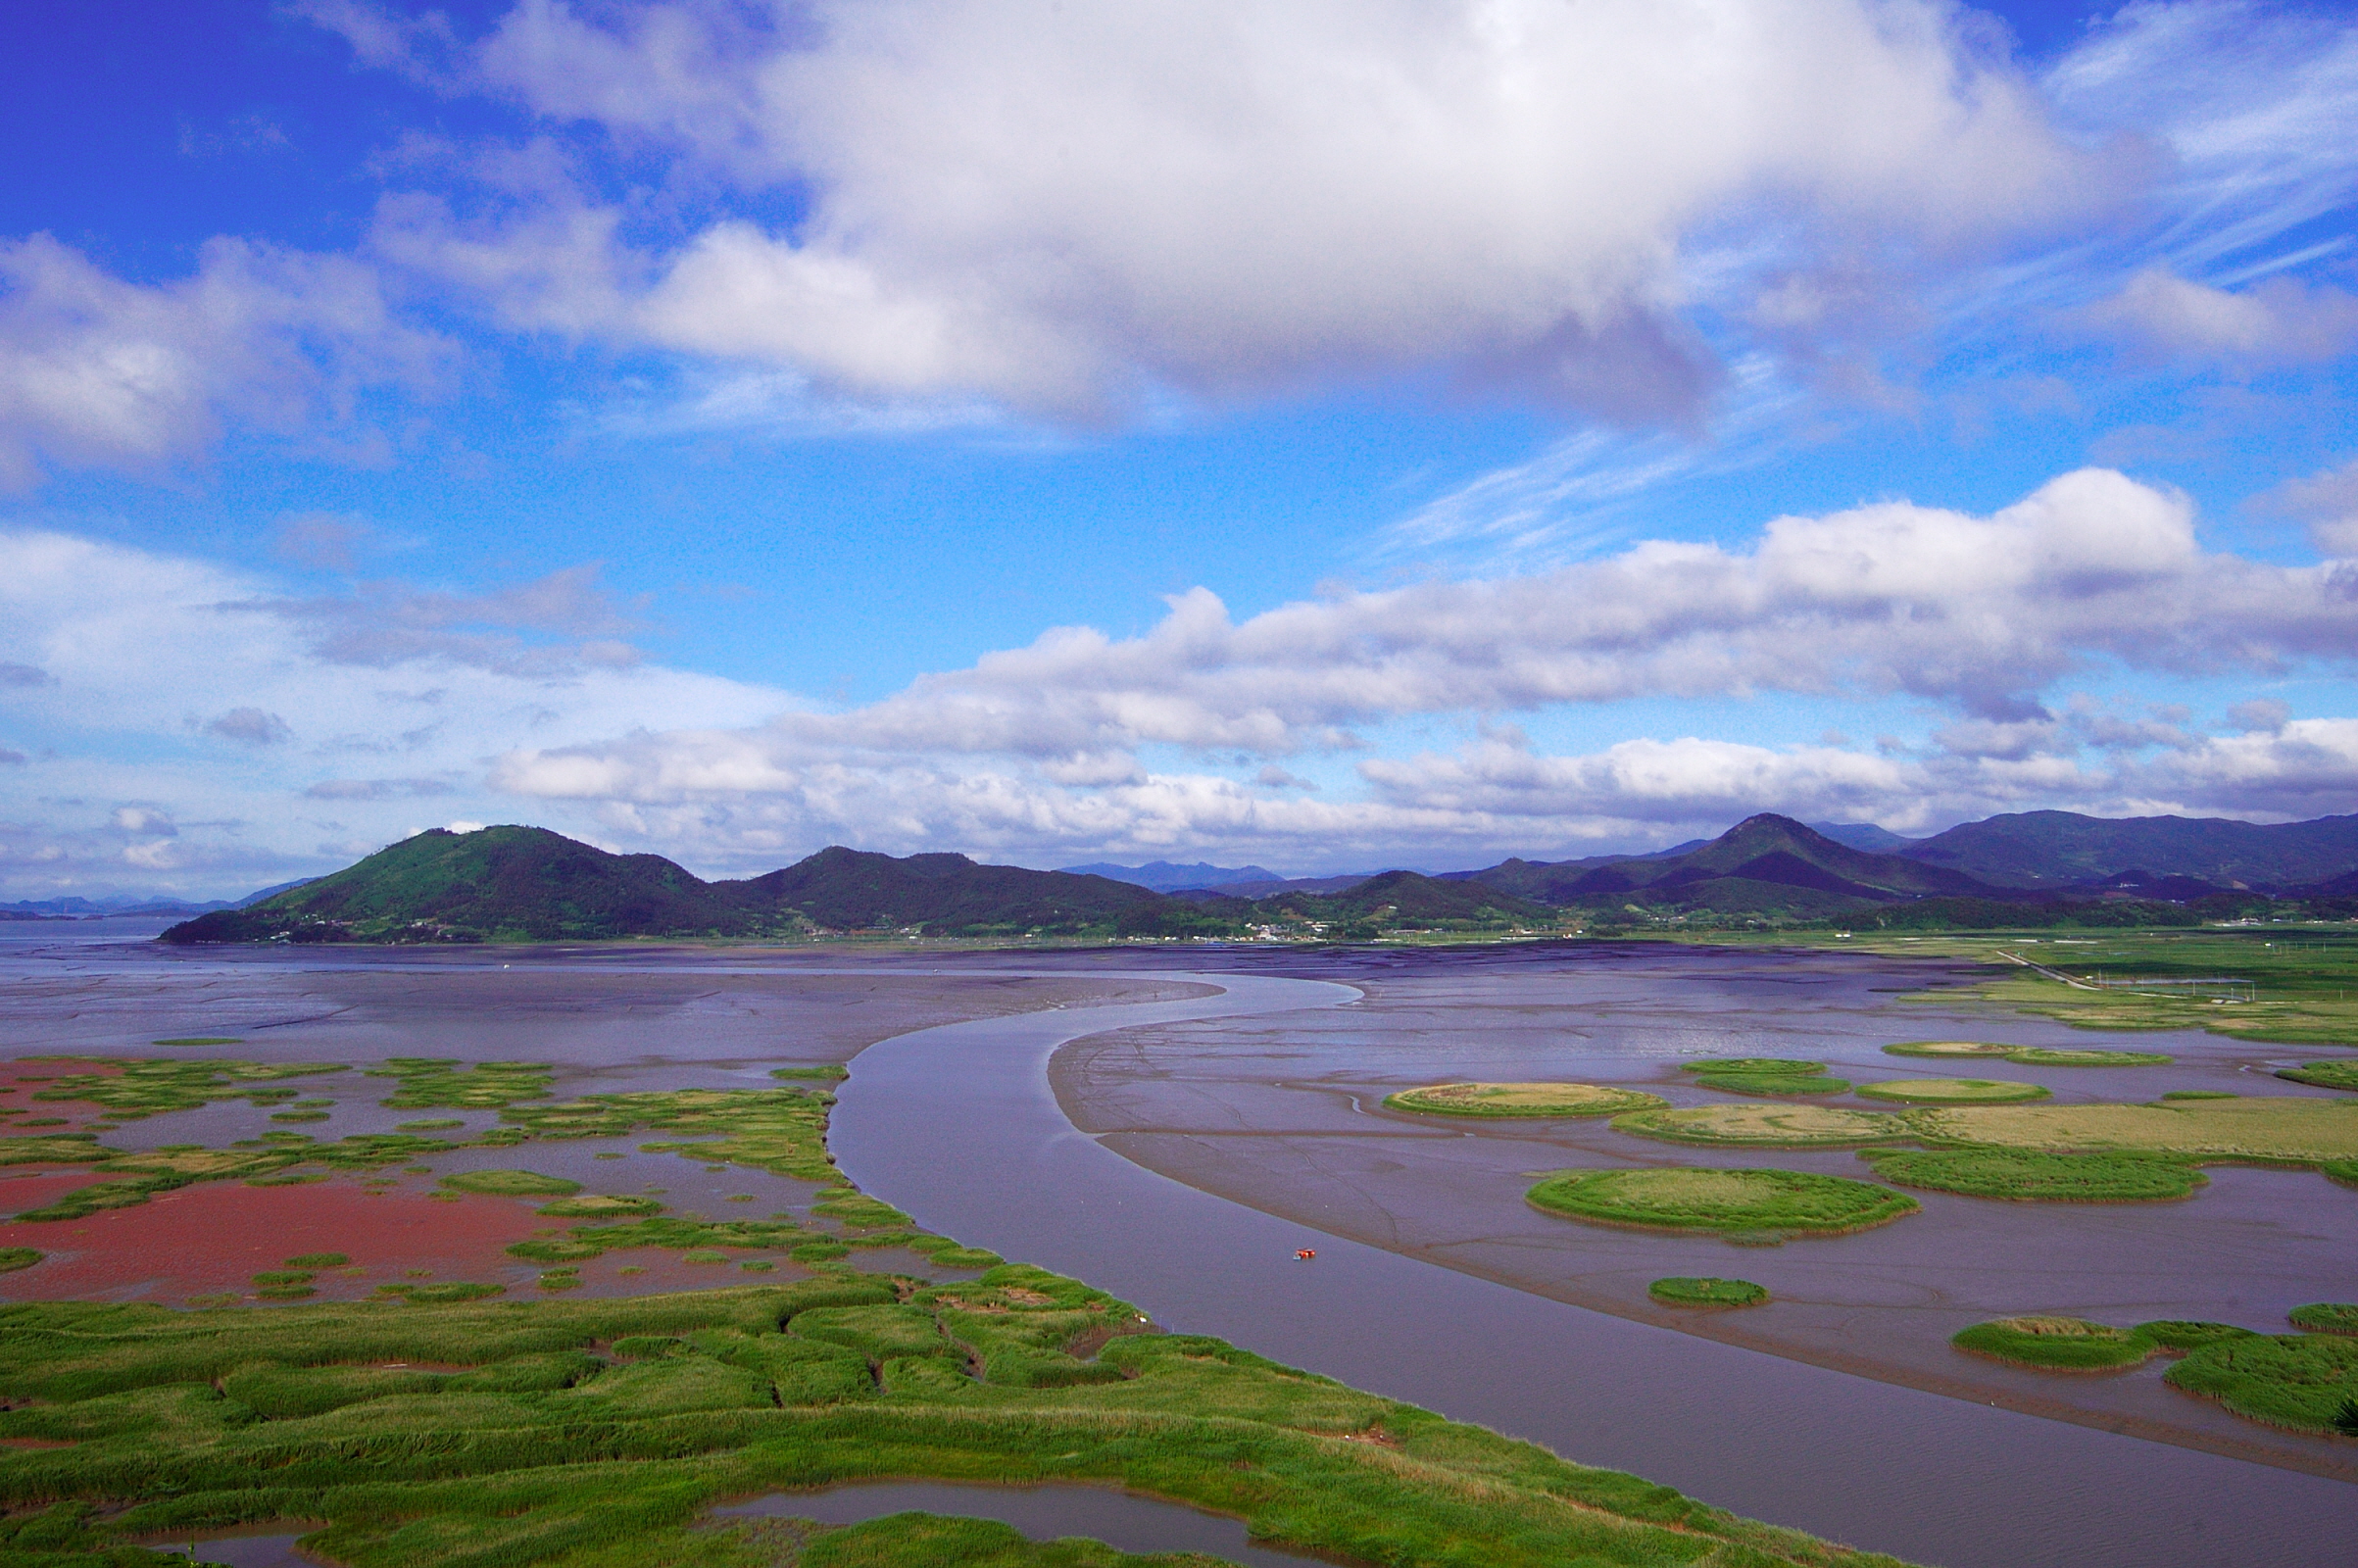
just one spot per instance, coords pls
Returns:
(959, 1125)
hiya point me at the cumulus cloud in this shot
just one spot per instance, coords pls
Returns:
(2279, 322)
(333, 733)
(1980, 615)
(97, 371)
(1069, 208)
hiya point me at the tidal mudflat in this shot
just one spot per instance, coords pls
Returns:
(948, 1058)
(1286, 1113)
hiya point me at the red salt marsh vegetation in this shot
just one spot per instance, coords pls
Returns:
(216, 1237)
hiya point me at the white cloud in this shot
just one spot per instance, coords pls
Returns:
(97, 371)
(1069, 210)
(1042, 746)
(339, 711)
(2277, 321)
(2327, 503)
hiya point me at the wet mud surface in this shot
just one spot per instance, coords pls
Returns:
(1283, 1112)
(607, 1020)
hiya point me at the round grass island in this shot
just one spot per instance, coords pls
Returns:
(1954, 1092)
(1749, 1205)
(1765, 1126)
(2029, 1056)
(1764, 1075)
(2026, 1175)
(1687, 1291)
(1522, 1099)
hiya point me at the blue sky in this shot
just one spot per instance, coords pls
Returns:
(1327, 436)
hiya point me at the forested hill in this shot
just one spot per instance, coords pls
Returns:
(527, 884)
(2062, 849)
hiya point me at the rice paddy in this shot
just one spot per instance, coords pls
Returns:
(1689, 1291)
(1954, 1091)
(1751, 1204)
(2035, 1176)
(1522, 1099)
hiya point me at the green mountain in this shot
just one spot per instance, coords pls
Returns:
(1387, 902)
(527, 884)
(2062, 849)
(1763, 864)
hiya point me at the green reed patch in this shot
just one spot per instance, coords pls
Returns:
(2177, 1335)
(510, 1184)
(1954, 1091)
(2030, 1055)
(318, 1261)
(1764, 1203)
(2057, 1344)
(2327, 1317)
(1522, 1099)
(2031, 1176)
(2342, 1075)
(601, 1206)
(1771, 1083)
(429, 1081)
(2299, 1380)
(1688, 1291)
(533, 1449)
(13, 1258)
(163, 1084)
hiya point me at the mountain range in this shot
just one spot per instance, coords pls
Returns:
(530, 884)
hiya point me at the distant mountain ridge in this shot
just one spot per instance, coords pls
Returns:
(2062, 849)
(1161, 876)
(530, 884)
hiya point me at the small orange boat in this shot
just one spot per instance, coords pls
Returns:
(1305, 1253)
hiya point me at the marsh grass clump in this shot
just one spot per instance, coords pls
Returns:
(2199, 1093)
(1522, 1099)
(824, 1073)
(2030, 1055)
(2342, 1075)
(511, 1184)
(2341, 1171)
(2178, 1336)
(1689, 1291)
(2033, 1176)
(1761, 1202)
(859, 1210)
(601, 1206)
(2057, 1344)
(163, 1084)
(2327, 1317)
(1765, 1126)
(13, 1258)
(443, 1293)
(430, 1124)
(201, 1040)
(2299, 1380)
(1954, 1091)
(422, 1082)
(1767, 1083)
